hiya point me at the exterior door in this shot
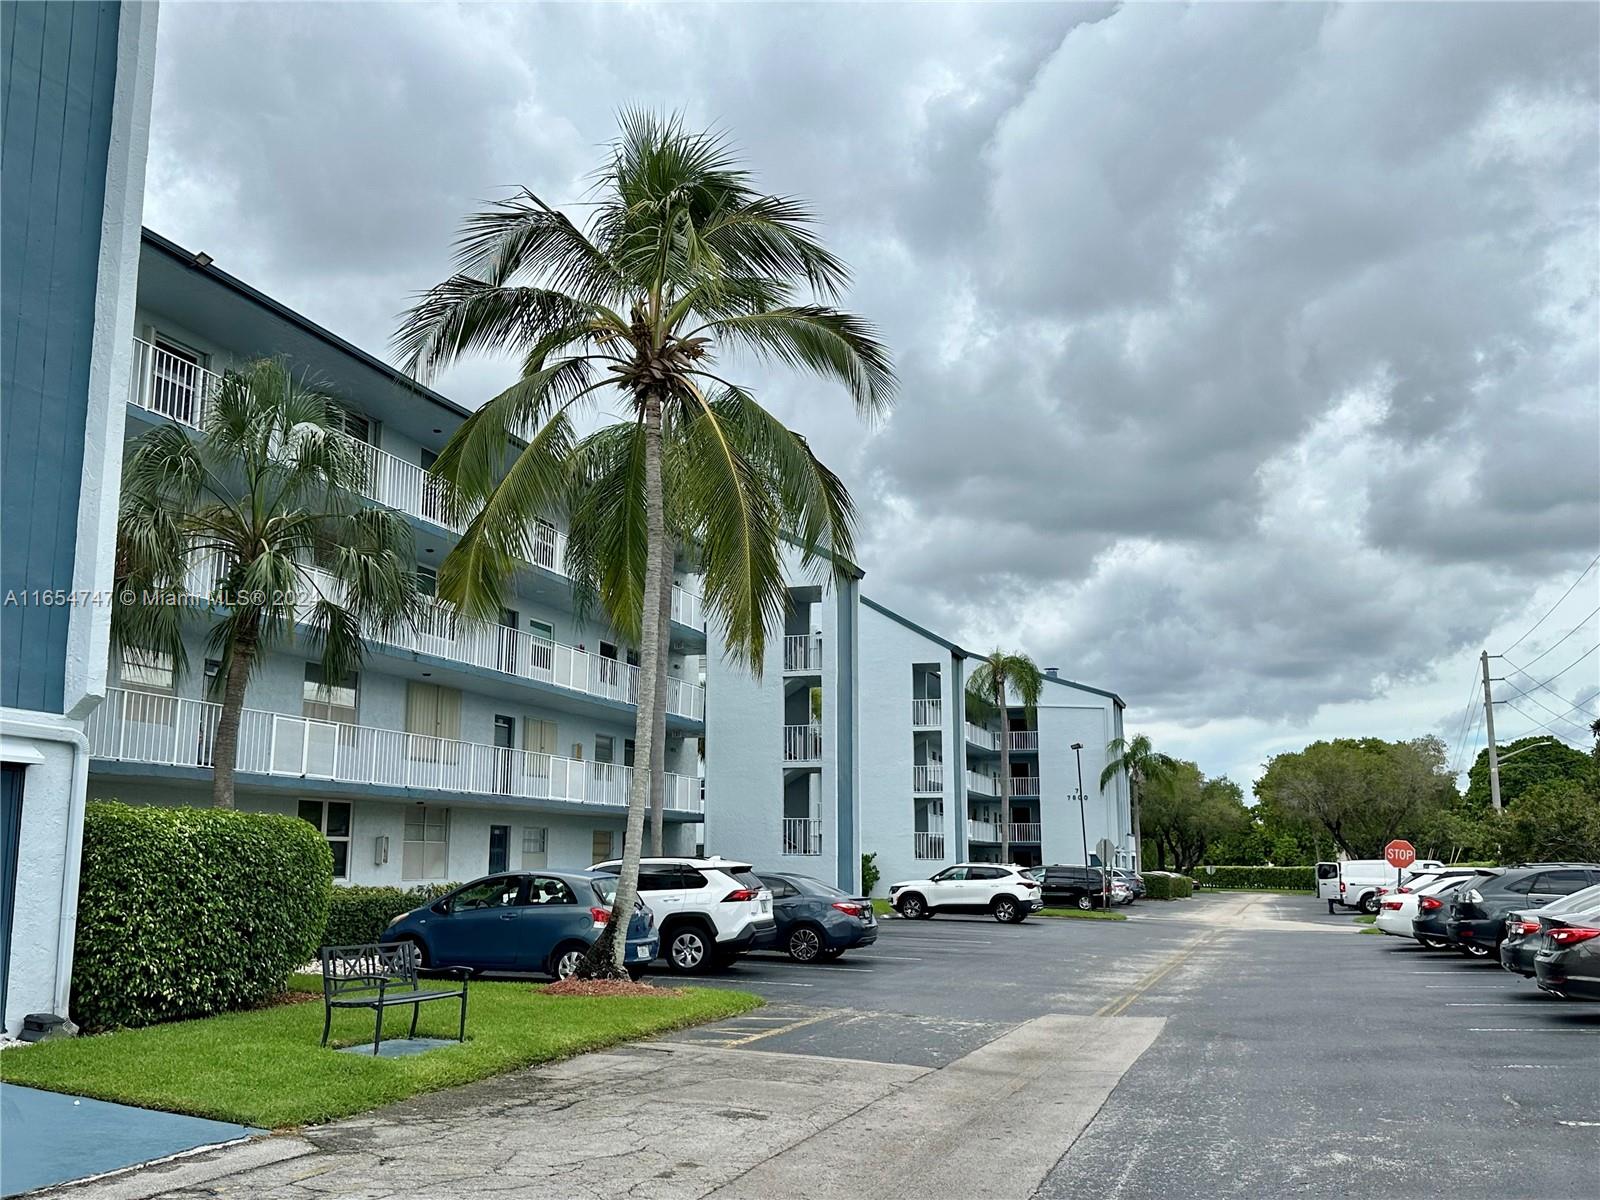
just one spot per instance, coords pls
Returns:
(499, 848)
(10, 835)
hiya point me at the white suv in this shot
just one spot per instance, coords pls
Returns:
(1006, 892)
(709, 910)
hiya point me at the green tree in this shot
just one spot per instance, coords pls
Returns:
(261, 514)
(1526, 763)
(1143, 764)
(989, 687)
(1362, 792)
(680, 260)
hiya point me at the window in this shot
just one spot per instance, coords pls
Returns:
(332, 819)
(535, 839)
(489, 893)
(543, 889)
(426, 852)
(323, 701)
(600, 845)
(147, 669)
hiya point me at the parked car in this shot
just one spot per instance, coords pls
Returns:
(816, 920)
(1398, 909)
(1360, 878)
(1008, 893)
(1524, 931)
(1070, 886)
(1478, 910)
(1568, 963)
(528, 921)
(709, 910)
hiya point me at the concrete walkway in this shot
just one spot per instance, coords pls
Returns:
(679, 1121)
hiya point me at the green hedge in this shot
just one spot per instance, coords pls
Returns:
(1161, 886)
(358, 915)
(1279, 879)
(184, 912)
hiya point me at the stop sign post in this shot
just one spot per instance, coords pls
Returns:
(1399, 854)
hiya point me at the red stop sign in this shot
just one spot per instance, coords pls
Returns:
(1399, 854)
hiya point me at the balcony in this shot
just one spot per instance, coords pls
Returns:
(927, 714)
(146, 727)
(802, 653)
(927, 777)
(984, 739)
(928, 845)
(176, 388)
(1024, 739)
(802, 835)
(802, 743)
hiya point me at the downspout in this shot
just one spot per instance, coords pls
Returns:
(66, 935)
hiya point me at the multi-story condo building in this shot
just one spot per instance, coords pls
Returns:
(76, 91)
(856, 738)
(459, 748)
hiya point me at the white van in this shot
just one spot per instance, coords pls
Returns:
(1355, 882)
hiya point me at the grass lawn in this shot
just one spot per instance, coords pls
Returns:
(267, 1068)
(1081, 914)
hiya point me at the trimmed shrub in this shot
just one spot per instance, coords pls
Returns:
(185, 912)
(358, 915)
(1277, 879)
(1161, 885)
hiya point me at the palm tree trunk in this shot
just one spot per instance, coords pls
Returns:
(225, 746)
(651, 714)
(1005, 772)
(658, 762)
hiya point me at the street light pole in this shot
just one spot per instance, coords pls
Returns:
(1083, 824)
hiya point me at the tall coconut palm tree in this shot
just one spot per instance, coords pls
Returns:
(680, 261)
(996, 678)
(260, 514)
(1144, 764)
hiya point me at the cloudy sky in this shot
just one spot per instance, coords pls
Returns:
(1248, 354)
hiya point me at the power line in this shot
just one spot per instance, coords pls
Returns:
(1557, 604)
(1561, 639)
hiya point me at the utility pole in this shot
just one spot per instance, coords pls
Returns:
(1488, 721)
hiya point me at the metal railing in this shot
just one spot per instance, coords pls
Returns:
(983, 831)
(802, 835)
(983, 785)
(926, 713)
(1024, 832)
(927, 777)
(135, 726)
(802, 743)
(988, 739)
(1024, 739)
(802, 652)
(928, 845)
(178, 389)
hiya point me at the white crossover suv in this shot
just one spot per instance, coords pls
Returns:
(1007, 893)
(709, 910)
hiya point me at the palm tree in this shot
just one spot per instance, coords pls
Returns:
(261, 515)
(1144, 764)
(680, 259)
(997, 677)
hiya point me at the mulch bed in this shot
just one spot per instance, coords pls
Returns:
(606, 987)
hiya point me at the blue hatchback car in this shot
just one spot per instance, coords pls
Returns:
(816, 920)
(526, 921)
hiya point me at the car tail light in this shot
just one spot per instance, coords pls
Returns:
(1392, 905)
(600, 915)
(853, 910)
(1572, 935)
(1429, 904)
(740, 894)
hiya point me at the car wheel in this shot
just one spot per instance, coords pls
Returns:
(913, 907)
(1475, 950)
(1086, 902)
(1006, 910)
(564, 962)
(688, 950)
(1435, 943)
(805, 944)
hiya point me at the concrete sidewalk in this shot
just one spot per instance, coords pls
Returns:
(677, 1121)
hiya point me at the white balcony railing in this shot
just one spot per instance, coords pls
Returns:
(1024, 785)
(802, 835)
(927, 777)
(802, 652)
(987, 739)
(134, 726)
(1024, 739)
(1024, 832)
(981, 784)
(983, 831)
(928, 845)
(176, 388)
(926, 714)
(802, 743)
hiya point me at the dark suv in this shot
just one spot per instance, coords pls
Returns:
(1478, 910)
(1071, 887)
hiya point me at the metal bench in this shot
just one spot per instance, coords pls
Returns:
(380, 977)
